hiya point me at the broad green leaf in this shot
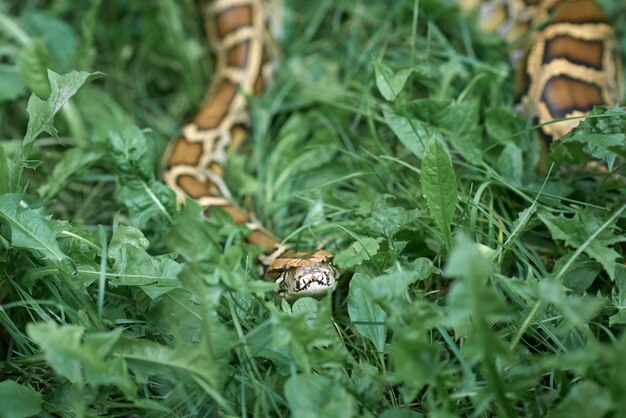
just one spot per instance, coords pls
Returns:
(6, 172)
(130, 153)
(133, 266)
(58, 36)
(133, 160)
(416, 359)
(581, 275)
(368, 317)
(511, 163)
(502, 124)
(360, 251)
(386, 220)
(312, 396)
(30, 230)
(400, 413)
(472, 295)
(11, 85)
(61, 345)
(103, 113)
(410, 131)
(34, 61)
(391, 289)
(460, 119)
(440, 189)
(18, 401)
(71, 163)
(71, 358)
(576, 310)
(577, 230)
(307, 334)
(42, 112)
(189, 229)
(601, 136)
(147, 358)
(390, 84)
(147, 200)
(584, 399)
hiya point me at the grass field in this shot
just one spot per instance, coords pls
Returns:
(473, 284)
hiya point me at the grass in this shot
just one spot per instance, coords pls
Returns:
(473, 284)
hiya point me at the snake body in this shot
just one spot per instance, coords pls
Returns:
(194, 162)
(570, 66)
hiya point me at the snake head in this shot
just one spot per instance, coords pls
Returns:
(304, 274)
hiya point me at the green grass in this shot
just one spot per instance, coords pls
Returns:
(473, 284)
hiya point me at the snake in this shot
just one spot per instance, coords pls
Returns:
(194, 161)
(570, 67)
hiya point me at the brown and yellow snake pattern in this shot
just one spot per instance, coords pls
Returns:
(570, 67)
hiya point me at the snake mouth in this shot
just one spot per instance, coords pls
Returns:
(315, 280)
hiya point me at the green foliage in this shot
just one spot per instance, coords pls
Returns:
(360, 251)
(18, 401)
(440, 188)
(586, 231)
(477, 277)
(42, 112)
(91, 360)
(30, 230)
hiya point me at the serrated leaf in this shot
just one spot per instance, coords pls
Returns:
(619, 297)
(148, 358)
(440, 188)
(410, 131)
(146, 201)
(312, 396)
(576, 310)
(305, 329)
(392, 288)
(42, 112)
(61, 345)
(576, 231)
(601, 136)
(368, 317)
(130, 154)
(18, 401)
(30, 230)
(461, 118)
(189, 229)
(133, 266)
(70, 358)
(360, 251)
(386, 220)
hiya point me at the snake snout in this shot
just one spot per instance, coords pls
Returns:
(315, 281)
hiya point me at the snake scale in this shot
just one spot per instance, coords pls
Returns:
(570, 66)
